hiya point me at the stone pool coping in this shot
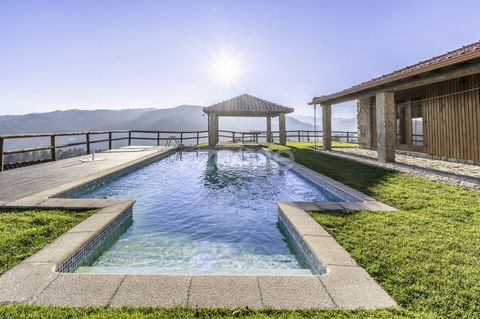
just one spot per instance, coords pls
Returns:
(36, 281)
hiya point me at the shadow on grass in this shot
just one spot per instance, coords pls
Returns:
(357, 175)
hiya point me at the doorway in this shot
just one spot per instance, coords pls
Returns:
(410, 124)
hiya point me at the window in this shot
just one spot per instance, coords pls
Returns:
(417, 122)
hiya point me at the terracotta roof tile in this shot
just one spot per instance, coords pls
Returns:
(247, 105)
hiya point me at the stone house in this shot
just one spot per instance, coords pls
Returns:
(431, 107)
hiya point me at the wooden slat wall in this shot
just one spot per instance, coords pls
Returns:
(452, 127)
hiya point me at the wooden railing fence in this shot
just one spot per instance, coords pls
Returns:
(157, 136)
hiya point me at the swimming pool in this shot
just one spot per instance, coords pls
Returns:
(204, 212)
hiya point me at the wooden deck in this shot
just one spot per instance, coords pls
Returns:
(26, 181)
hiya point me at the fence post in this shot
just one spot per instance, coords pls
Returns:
(198, 137)
(158, 138)
(129, 138)
(233, 136)
(181, 137)
(1, 154)
(87, 135)
(243, 138)
(348, 137)
(54, 148)
(109, 140)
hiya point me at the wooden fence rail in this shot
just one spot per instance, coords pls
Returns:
(158, 136)
(299, 135)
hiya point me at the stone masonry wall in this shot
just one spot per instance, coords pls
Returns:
(364, 122)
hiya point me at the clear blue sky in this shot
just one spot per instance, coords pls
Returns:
(118, 54)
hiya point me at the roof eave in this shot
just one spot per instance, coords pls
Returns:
(248, 113)
(361, 89)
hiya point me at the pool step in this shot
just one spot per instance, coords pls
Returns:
(183, 271)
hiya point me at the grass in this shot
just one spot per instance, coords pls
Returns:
(23, 233)
(311, 145)
(426, 255)
(37, 312)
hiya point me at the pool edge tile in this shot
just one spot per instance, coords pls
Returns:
(348, 284)
(354, 288)
(224, 291)
(79, 290)
(24, 282)
(328, 251)
(152, 290)
(294, 292)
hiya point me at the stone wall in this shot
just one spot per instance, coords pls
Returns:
(364, 122)
(385, 117)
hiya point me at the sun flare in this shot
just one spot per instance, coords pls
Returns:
(226, 67)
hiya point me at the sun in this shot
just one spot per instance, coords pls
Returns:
(226, 67)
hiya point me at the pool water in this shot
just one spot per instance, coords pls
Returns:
(205, 212)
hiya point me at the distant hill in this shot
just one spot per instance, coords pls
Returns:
(338, 123)
(65, 121)
(180, 118)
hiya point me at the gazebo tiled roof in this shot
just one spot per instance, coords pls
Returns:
(247, 105)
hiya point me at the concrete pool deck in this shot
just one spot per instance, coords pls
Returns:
(37, 280)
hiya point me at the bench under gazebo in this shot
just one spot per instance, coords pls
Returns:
(247, 106)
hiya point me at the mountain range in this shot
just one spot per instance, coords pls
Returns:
(180, 118)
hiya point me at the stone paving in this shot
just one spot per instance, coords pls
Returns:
(35, 180)
(457, 174)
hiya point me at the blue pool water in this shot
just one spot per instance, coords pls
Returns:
(205, 212)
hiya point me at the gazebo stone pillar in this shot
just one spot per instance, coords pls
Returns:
(217, 138)
(269, 130)
(327, 126)
(281, 128)
(385, 114)
(213, 129)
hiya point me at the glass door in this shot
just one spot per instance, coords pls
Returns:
(416, 111)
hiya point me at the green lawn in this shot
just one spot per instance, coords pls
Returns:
(426, 255)
(23, 233)
(36, 312)
(311, 145)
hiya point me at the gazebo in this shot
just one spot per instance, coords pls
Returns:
(247, 106)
